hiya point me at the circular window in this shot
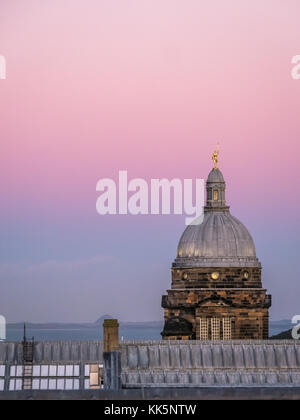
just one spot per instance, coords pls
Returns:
(215, 275)
(246, 275)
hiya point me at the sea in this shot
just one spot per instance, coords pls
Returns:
(89, 332)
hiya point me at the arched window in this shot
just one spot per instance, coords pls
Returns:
(216, 195)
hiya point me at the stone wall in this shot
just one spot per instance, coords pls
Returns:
(248, 309)
(228, 278)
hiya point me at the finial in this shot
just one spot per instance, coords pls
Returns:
(215, 156)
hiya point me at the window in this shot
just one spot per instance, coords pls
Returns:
(2, 375)
(93, 376)
(216, 195)
(226, 328)
(46, 377)
(2, 370)
(215, 275)
(15, 384)
(215, 328)
(53, 371)
(245, 275)
(16, 371)
(203, 329)
(63, 384)
(45, 370)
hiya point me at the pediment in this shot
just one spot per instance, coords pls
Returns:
(212, 303)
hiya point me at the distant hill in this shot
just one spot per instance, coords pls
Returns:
(284, 335)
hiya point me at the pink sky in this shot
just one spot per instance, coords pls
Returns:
(97, 86)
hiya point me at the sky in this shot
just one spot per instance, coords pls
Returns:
(97, 86)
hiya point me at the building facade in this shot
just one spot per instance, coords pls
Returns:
(216, 291)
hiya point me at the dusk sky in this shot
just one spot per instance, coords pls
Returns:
(97, 86)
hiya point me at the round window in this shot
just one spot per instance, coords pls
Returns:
(215, 275)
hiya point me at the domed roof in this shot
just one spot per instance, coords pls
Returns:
(221, 240)
(215, 175)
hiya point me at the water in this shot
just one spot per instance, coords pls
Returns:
(132, 332)
(83, 334)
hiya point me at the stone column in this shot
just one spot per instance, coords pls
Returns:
(111, 355)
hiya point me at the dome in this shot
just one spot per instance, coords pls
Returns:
(221, 240)
(215, 175)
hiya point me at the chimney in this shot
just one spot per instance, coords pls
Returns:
(111, 355)
(111, 335)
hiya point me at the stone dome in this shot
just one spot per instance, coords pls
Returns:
(215, 175)
(221, 240)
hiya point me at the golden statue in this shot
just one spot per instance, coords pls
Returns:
(215, 157)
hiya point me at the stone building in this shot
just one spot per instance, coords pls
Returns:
(216, 291)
